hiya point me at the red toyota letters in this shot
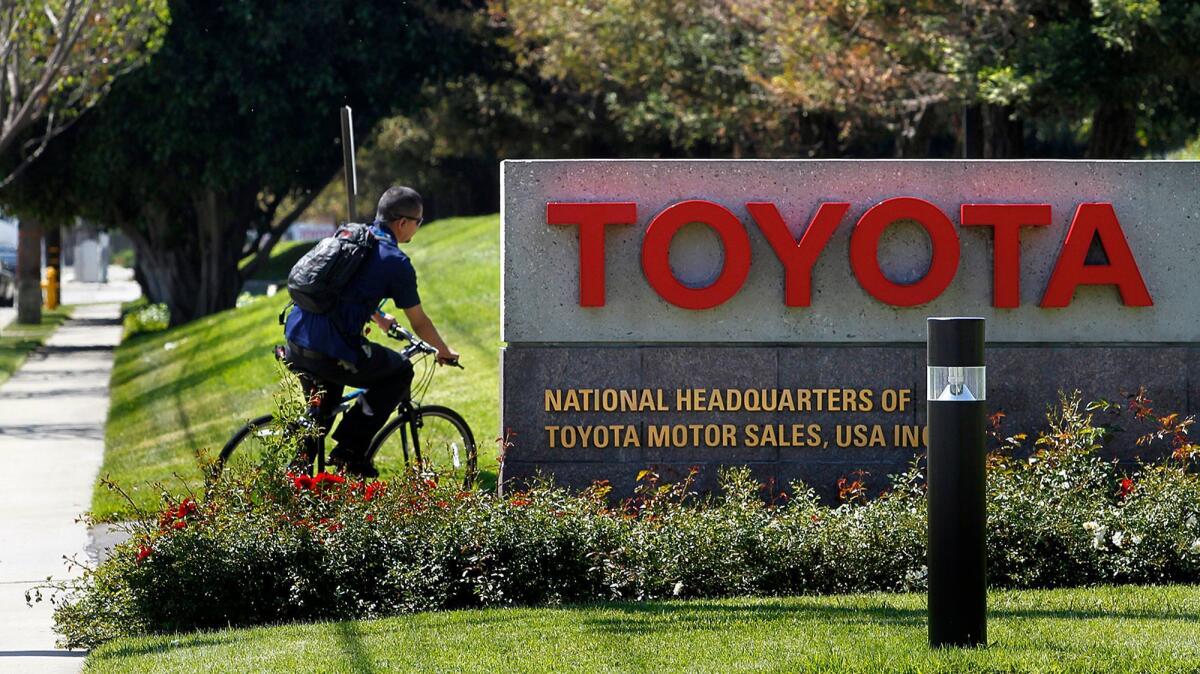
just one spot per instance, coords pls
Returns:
(1091, 220)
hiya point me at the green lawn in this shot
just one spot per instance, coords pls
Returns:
(183, 391)
(1124, 629)
(16, 341)
(284, 255)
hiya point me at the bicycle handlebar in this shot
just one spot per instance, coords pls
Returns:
(416, 344)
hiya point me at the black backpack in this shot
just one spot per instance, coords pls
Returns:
(317, 279)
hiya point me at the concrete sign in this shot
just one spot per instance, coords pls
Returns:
(680, 313)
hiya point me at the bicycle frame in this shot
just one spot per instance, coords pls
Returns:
(414, 352)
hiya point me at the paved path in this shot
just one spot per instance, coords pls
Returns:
(52, 413)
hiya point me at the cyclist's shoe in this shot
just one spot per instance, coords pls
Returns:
(355, 464)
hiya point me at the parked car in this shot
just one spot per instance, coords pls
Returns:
(8, 276)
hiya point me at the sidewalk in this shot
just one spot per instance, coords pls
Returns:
(52, 413)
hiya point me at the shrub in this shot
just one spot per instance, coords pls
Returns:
(144, 317)
(262, 546)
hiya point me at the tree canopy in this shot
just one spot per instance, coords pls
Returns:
(229, 131)
(1118, 72)
(58, 58)
(236, 115)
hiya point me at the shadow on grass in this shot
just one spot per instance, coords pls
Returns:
(133, 650)
(16, 341)
(639, 618)
(184, 385)
(632, 619)
(350, 639)
(627, 619)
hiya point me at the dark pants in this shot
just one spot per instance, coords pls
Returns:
(384, 374)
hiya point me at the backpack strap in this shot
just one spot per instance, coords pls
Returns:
(283, 314)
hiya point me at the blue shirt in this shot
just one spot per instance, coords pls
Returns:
(385, 273)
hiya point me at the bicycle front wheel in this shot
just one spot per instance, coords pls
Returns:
(438, 443)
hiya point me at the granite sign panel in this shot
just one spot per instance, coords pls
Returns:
(679, 314)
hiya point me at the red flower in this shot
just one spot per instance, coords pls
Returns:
(370, 518)
(330, 478)
(142, 553)
(373, 490)
(301, 481)
(520, 502)
(186, 507)
(1126, 487)
(180, 524)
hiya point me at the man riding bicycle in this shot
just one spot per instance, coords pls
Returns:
(332, 345)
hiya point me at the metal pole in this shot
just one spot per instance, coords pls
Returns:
(957, 405)
(348, 161)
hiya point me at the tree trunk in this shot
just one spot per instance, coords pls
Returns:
(192, 266)
(914, 139)
(972, 131)
(1114, 132)
(1004, 136)
(29, 271)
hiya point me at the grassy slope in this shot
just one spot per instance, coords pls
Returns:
(182, 391)
(1141, 629)
(16, 341)
(283, 256)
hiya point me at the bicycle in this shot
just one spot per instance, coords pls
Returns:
(441, 441)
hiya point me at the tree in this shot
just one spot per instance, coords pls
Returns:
(1126, 67)
(235, 118)
(745, 77)
(58, 58)
(666, 71)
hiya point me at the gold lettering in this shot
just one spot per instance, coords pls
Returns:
(814, 435)
(567, 436)
(631, 437)
(629, 399)
(658, 436)
(877, 437)
(716, 402)
(608, 400)
(787, 402)
(865, 399)
(750, 433)
(797, 436)
(571, 401)
(803, 400)
(752, 400)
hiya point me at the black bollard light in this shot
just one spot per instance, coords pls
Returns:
(957, 420)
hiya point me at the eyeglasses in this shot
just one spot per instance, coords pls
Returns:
(409, 217)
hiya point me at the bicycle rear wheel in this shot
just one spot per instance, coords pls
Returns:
(443, 440)
(250, 444)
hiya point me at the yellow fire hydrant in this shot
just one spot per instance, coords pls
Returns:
(50, 285)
